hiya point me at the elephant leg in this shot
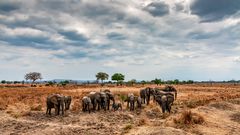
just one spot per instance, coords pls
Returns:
(47, 111)
(56, 109)
(99, 104)
(148, 99)
(108, 104)
(88, 108)
(83, 107)
(163, 109)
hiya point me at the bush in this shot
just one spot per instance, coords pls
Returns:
(187, 118)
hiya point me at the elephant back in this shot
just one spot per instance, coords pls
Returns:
(54, 99)
(86, 100)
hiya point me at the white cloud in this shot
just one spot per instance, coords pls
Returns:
(120, 36)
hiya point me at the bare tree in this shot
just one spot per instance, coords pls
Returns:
(33, 76)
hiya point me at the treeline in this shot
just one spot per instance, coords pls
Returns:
(103, 78)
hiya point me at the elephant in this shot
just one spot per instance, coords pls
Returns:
(116, 106)
(165, 102)
(169, 88)
(95, 100)
(106, 90)
(55, 101)
(86, 102)
(130, 100)
(146, 93)
(110, 96)
(67, 101)
(98, 99)
(161, 93)
(139, 101)
(104, 100)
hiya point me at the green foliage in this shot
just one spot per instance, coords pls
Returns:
(190, 81)
(143, 82)
(50, 83)
(102, 76)
(157, 81)
(16, 82)
(3, 81)
(64, 83)
(118, 77)
(123, 98)
(176, 81)
(132, 82)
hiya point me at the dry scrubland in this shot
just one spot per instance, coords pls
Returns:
(199, 109)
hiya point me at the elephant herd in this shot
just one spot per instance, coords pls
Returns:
(101, 100)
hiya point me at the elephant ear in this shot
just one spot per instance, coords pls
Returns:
(164, 98)
(54, 100)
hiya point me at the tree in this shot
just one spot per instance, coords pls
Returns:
(102, 76)
(176, 81)
(33, 76)
(118, 77)
(143, 82)
(3, 81)
(64, 83)
(131, 82)
(157, 81)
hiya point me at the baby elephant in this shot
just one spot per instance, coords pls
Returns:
(86, 102)
(139, 101)
(116, 106)
(67, 102)
(130, 100)
(165, 101)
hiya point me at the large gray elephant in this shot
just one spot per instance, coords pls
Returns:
(98, 99)
(161, 93)
(165, 102)
(169, 88)
(55, 101)
(146, 93)
(130, 101)
(95, 100)
(86, 102)
(104, 100)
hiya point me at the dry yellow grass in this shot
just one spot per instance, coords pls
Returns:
(188, 118)
(30, 102)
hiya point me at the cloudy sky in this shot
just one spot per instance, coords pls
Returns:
(143, 39)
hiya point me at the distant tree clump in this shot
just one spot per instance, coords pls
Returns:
(102, 76)
(118, 77)
(157, 81)
(33, 76)
(64, 83)
(132, 82)
(143, 82)
(3, 81)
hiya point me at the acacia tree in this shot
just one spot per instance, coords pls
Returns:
(33, 76)
(102, 76)
(118, 77)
